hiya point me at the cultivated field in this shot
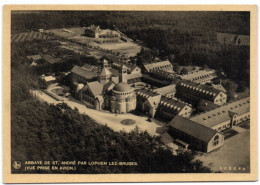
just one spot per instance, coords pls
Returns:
(30, 36)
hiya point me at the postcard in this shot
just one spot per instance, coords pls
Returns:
(122, 93)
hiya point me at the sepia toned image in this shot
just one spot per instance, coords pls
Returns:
(130, 94)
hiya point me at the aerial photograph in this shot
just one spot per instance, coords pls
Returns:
(130, 92)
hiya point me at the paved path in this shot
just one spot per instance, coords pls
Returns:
(104, 118)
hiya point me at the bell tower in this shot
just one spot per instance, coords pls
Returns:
(123, 74)
(105, 74)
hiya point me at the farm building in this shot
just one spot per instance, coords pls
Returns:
(195, 135)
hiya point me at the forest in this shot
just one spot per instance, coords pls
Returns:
(40, 131)
(185, 38)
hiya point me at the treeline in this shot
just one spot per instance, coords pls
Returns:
(232, 22)
(47, 132)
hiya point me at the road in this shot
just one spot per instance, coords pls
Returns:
(105, 118)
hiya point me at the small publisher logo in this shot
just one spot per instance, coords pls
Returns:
(17, 165)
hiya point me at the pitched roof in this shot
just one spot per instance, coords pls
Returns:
(105, 72)
(166, 89)
(163, 73)
(223, 113)
(95, 87)
(115, 72)
(158, 65)
(146, 93)
(83, 72)
(90, 67)
(198, 89)
(192, 128)
(173, 103)
(199, 75)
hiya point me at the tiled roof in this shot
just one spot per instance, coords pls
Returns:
(192, 128)
(83, 72)
(95, 87)
(146, 93)
(157, 65)
(163, 73)
(115, 72)
(105, 72)
(198, 89)
(166, 89)
(172, 103)
(90, 67)
(198, 75)
(221, 114)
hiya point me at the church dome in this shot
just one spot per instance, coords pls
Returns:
(123, 87)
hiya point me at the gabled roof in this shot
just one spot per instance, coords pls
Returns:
(173, 103)
(223, 113)
(154, 101)
(83, 72)
(158, 65)
(192, 128)
(95, 87)
(198, 89)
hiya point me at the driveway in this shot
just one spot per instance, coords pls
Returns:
(105, 118)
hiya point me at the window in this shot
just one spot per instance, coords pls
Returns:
(216, 140)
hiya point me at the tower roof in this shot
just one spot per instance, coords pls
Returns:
(105, 72)
(122, 87)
